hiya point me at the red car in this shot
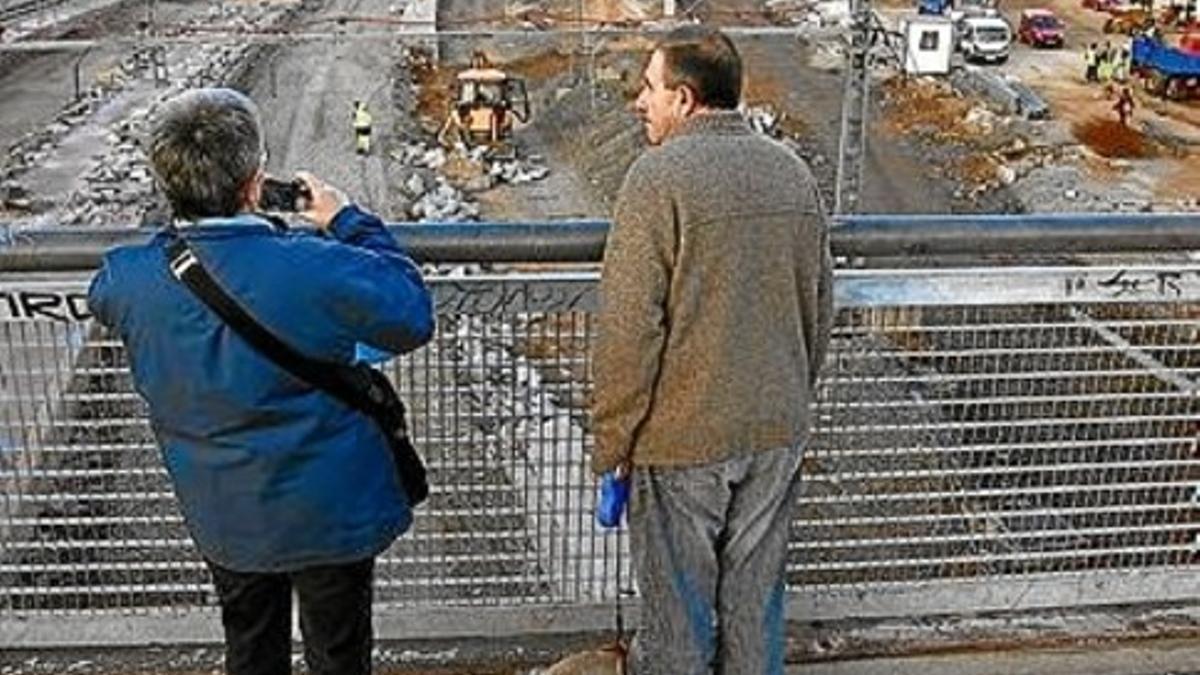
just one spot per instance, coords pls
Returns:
(1101, 5)
(1189, 42)
(1041, 28)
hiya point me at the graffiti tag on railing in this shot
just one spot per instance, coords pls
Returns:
(476, 296)
(1145, 283)
(494, 297)
(48, 305)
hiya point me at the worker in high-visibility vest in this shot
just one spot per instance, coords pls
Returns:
(1121, 65)
(362, 128)
(1106, 68)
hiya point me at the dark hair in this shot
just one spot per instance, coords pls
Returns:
(705, 60)
(204, 146)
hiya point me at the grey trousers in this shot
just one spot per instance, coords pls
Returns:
(709, 547)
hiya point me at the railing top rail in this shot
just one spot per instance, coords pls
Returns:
(581, 241)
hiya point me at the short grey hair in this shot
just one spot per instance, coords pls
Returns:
(204, 146)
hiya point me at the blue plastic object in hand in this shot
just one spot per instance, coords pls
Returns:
(614, 494)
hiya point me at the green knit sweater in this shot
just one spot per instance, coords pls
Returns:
(716, 300)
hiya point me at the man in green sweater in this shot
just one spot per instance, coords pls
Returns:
(715, 317)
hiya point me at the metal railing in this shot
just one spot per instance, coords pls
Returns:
(65, 249)
(989, 437)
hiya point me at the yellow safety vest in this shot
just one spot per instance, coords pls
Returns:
(362, 119)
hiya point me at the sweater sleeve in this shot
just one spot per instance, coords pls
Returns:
(634, 284)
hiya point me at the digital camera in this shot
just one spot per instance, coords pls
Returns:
(282, 195)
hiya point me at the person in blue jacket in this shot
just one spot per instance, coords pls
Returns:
(282, 486)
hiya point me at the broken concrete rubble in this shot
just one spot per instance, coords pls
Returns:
(459, 172)
(982, 119)
(763, 119)
(516, 172)
(990, 147)
(444, 204)
(415, 186)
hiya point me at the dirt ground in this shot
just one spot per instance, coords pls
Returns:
(1058, 75)
(1156, 156)
(592, 133)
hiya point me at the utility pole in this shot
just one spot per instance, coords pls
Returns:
(578, 45)
(856, 98)
(78, 66)
(158, 54)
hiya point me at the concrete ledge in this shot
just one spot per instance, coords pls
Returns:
(1140, 658)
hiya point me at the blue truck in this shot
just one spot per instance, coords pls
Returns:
(937, 7)
(958, 9)
(1167, 71)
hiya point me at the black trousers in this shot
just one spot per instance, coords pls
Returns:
(335, 619)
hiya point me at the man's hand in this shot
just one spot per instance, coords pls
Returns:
(323, 203)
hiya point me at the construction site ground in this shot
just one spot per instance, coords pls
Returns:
(931, 150)
(1152, 161)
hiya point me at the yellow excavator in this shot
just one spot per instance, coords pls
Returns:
(487, 102)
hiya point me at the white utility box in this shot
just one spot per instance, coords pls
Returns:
(928, 44)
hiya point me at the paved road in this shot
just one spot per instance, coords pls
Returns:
(305, 92)
(36, 86)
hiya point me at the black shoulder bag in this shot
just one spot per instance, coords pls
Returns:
(359, 386)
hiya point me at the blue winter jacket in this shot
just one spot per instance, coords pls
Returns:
(272, 475)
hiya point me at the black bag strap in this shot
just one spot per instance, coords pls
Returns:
(360, 387)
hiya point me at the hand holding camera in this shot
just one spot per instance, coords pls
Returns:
(324, 200)
(283, 195)
(305, 195)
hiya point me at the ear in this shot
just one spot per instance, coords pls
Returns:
(252, 190)
(688, 103)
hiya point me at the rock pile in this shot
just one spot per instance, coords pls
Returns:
(769, 122)
(440, 181)
(1057, 187)
(1046, 166)
(763, 119)
(120, 182)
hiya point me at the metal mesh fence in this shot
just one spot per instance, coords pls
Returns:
(991, 438)
(999, 441)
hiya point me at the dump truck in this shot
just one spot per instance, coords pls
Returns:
(1166, 71)
(934, 7)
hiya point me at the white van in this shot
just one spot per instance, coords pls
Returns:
(984, 38)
